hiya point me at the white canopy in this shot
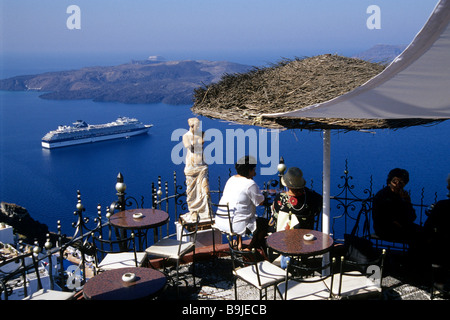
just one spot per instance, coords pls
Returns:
(415, 85)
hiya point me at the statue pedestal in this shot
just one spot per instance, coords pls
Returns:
(204, 233)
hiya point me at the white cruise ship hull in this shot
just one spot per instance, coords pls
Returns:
(65, 143)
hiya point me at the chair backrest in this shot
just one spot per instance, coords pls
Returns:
(188, 231)
(317, 224)
(372, 270)
(37, 270)
(314, 209)
(27, 263)
(310, 270)
(19, 269)
(112, 244)
(223, 211)
(241, 259)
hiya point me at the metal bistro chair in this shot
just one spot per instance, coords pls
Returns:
(260, 274)
(170, 248)
(113, 254)
(305, 279)
(13, 275)
(44, 293)
(26, 267)
(359, 280)
(222, 211)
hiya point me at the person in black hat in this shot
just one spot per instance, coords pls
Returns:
(298, 200)
(295, 208)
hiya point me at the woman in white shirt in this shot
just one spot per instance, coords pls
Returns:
(242, 195)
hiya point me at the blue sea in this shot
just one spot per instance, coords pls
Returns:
(45, 182)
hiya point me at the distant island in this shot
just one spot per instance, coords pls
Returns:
(381, 53)
(147, 81)
(153, 80)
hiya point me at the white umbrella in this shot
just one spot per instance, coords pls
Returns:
(414, 87)
(413, 90)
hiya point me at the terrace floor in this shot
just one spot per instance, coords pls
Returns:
(215, 282)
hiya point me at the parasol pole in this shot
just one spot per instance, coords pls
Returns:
(326, 182)
(326, 192)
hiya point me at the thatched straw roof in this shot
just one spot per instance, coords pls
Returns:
(291, 85)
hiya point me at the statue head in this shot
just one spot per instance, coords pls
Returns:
(194, 125)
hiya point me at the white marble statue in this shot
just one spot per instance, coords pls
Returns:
(196, 172)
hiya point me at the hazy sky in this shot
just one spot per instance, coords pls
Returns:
(213, 29)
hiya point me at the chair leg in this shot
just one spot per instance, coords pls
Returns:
(213, 241)
(235, 289)
(193, 268)
(178, 280)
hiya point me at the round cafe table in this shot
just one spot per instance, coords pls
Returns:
(109, 285)
(292, 243)
(148, 219)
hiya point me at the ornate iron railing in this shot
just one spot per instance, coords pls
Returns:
(171, 197)
(348, 204)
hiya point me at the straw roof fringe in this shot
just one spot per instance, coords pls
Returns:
(291, 85)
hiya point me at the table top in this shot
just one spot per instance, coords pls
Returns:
(151, 218)
(108, 285)
(291, 242)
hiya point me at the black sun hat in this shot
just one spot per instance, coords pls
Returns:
(293, 178)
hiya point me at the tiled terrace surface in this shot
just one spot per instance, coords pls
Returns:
(215, 282)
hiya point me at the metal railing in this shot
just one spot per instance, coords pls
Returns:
(348, 204)
(171, 197)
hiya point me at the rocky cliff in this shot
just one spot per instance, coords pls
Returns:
(23, 224)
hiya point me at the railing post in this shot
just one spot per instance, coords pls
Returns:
(48, 246)
(120, 188)
(281, 168)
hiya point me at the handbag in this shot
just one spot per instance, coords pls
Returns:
(359, 249)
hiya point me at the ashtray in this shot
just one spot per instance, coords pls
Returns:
(128, 277)
(137, 215)
(308, 237)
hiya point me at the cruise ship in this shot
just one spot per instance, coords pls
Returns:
(81, 132)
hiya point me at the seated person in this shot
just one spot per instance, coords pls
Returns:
(392, 213)
(436, 227)
(242, 195)
(300, 203)
(304, 203)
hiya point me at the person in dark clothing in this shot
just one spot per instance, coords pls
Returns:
(393, 214)
(436, 227)
(393, 220)
(305, 203)
(299, 201)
